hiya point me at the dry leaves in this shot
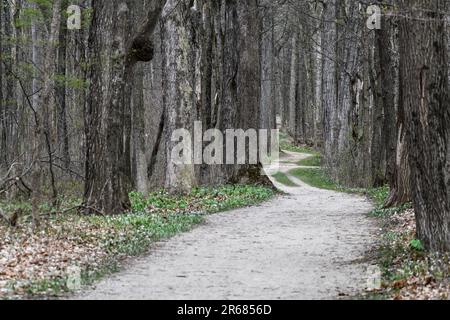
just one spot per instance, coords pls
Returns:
(27, 257)
(423, 276)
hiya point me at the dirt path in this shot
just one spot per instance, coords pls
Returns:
(305, 245)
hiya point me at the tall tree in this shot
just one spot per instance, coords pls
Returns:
(3, 159)
(108, 175)
(383, 145)
(42, 107)
(242, 78)
(425, 99)
(179, 78)
(268, 94)
(329, 86)
(61, 105)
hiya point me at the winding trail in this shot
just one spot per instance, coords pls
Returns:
(308, 244)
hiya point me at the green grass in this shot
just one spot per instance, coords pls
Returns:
(313, 161)
(381, 212)
(317, 178)
(299, 149)
(400, 255)
(138, 230)
(202, 200)
(51, 286)
(284, 179)
(379, 197)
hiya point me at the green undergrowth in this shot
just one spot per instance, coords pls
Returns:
(202, 200)
(298, 149)
(153, 217)
(404, 263)
(137, 230)
(315, 177)
(321, 179)
(314, 161)
(408, 270)
(284, 179)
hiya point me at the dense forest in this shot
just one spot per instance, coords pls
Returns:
(92, 91)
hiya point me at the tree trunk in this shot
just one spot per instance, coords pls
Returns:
(425, 96)
(329, 79)
(3, 150)
(293, 85)
(179, 93)
(247, 78)
(140, 155)
(400, 190)
(108, 172)
(268, 93)
(318, 74)
(42, 108)
(62, 129)
(387, 82)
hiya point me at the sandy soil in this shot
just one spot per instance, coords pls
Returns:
(308, 244)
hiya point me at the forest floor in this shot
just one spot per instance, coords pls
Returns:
(70, 249)
(408, 271)
(306, 244)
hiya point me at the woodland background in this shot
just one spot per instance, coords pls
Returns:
(90, 112)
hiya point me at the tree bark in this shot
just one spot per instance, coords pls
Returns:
(267, 67)
(425, 96)
(41, 108)
(387, 79)
(62, 126)
(329, 38)
(179, 41)
(108, 172)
